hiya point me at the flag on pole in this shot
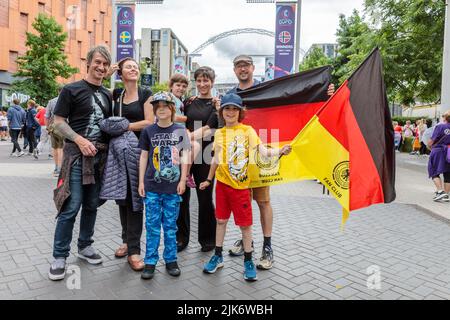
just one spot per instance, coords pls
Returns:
(349, 144)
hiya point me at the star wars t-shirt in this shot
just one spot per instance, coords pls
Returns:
(84, 105)
(164, 146)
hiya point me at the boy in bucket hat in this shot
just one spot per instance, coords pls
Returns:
(161, 182)
(233, 145)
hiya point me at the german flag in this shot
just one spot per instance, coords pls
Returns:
(286, 104)
(278, 110)
(349, 144)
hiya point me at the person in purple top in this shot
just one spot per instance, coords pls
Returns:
(439, 162)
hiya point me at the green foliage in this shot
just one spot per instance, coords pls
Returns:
(410, 34)
(315, 59)
(402, 120)
(355, 41)
(160, 87)
(44, 61)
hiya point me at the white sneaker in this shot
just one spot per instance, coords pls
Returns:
(21, 153)
(441, 196)
(57, 269)
(90, 255)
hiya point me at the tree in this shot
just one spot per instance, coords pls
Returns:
(160, 87)
(44, 61)
(410, 35)
(315, 59)
(355, 40)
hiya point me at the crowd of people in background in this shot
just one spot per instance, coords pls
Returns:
(414, 136)
(34, 125)
(433, 140)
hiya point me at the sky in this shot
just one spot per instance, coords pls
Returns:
(195, 21)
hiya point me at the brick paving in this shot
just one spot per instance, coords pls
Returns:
(314, 259)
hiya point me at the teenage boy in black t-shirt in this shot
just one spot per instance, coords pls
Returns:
(80, 108)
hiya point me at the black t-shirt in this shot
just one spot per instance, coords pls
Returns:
(84, 105)
(200, 113)
(133, 111)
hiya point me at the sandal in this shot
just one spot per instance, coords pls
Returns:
(122, 251)
(136, 264)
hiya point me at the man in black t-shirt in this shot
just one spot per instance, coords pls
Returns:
(80, 108)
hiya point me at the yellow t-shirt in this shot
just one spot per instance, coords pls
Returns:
(234, 147)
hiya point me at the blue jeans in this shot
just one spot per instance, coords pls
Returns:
(162, 209)
(87, 197)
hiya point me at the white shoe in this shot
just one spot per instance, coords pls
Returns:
(441, 196)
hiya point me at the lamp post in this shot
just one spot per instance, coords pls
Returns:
(297, 37)
(445, 91)
(147, 77)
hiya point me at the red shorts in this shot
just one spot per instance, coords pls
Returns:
(236, 200)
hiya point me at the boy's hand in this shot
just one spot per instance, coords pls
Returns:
(330, 90)
(204, 185)
(285, 150)
(181, 188)
(141, 190)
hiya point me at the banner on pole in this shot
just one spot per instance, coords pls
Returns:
(125, 32)
(284, 39)
(179, 66)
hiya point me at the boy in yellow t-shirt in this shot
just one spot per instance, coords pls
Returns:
(232, 147)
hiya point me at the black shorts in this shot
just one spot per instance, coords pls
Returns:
(3, 129)
(446, 177)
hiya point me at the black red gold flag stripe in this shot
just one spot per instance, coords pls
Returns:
(278, 110)
(349, 144)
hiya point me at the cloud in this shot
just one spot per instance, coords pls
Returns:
(195, 21)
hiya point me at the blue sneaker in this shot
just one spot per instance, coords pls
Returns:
(214, 263)
(249, 271)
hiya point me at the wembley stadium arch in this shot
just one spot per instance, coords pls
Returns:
(232, 33)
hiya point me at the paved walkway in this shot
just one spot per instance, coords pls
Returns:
(399, 244)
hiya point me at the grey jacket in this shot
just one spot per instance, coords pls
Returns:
(122, 164)
(16, 117)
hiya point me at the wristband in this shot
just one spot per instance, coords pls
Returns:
(210, 182)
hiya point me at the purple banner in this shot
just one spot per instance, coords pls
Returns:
(284, 39)
(125, 32)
